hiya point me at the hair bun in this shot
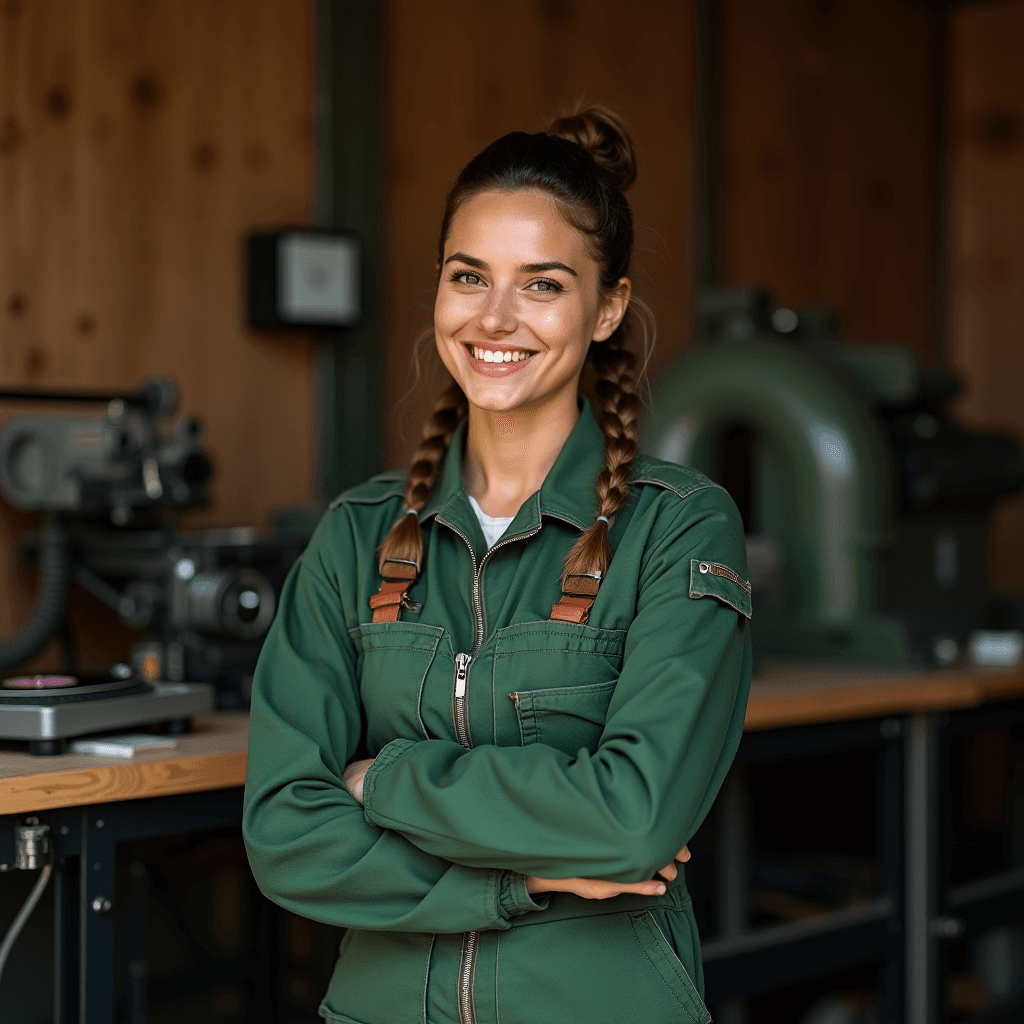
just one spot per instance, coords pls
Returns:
(605, 137)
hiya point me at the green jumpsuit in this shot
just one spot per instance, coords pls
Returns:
(506, 745)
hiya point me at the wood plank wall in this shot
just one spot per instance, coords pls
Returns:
(986, 300)
(139, 141)
(827, 157)
(455, 83)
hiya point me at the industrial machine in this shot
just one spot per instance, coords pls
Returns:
(109, 489)
(866, 504)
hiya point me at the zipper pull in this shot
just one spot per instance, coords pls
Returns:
(414, 606)
(461, 672)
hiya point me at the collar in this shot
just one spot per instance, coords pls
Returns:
(566, 494)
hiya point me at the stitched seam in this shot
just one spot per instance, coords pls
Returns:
(568, 517)
(697, 592)
(530, 921)
(400, 647)
(338, 502)
(494, 699)
(497, 950)
(555, 650)
(647, 957)
(611, 684)
(507, 630)
(675, 957)
(675, 490)
(419, 695)
(426, 975)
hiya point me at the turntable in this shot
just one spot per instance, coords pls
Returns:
(46, 710)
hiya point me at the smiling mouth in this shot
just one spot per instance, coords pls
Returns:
(498, 355)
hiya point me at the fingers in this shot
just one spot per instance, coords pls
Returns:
(683, 855)
(669, 871)
(596, 888)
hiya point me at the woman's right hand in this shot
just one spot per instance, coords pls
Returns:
(598, 889)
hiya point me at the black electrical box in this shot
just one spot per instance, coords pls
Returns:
(304, 278)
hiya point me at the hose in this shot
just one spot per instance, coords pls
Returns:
(48, 612)
(24, 914)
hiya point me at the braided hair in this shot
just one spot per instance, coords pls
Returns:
(584, 162)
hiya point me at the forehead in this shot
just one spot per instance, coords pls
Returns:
(525, 227)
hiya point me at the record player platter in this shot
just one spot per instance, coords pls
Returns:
(47, 709)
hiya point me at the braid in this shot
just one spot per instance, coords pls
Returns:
(405, 540)
(618, 409)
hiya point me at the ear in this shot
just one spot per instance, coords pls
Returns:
(613, 309)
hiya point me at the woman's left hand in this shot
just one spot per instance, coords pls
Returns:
(353, 777)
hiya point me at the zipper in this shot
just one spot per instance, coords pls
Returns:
(467, 971)
(460, 714)
(723, 570)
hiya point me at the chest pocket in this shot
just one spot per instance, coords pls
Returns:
(560, 677)
(397, 661)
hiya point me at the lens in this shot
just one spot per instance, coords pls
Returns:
(236, 602)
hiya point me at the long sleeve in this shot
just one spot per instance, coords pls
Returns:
(310, 846)
(673, 726)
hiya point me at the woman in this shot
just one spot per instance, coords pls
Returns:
(476, 754)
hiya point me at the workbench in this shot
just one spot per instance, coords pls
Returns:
(93, 803)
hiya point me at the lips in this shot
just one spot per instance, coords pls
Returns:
(496, 361)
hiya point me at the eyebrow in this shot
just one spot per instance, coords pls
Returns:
(526, 268)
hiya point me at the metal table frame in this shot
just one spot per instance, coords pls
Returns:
(915, 909)
(85, 841)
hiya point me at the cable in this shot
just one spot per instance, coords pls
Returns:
(23, 915)
(50, 600)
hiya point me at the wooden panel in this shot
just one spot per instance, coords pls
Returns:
(986, 304)
(456, 83)
(826, 157)
(139, 141)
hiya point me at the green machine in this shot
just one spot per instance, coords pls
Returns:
(866, 506)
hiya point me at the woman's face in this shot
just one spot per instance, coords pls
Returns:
(518, 303)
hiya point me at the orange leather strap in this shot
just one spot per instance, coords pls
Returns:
(578, 594)
(387, 604)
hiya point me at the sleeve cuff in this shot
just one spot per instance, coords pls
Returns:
(391, 753)
(514, 899)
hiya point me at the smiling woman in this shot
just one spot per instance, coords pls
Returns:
(478, 740)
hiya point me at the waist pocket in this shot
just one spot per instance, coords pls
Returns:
(662, 958)
(564, 717)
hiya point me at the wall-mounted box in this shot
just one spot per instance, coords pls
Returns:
(304, 278)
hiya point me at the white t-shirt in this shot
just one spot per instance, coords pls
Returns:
(493, 528)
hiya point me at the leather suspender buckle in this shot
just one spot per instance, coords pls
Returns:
(578, 594)
(396, 570)
(399, 574)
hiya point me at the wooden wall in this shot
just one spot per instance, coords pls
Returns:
(986, 299)
(829, 154)
(453, 84)
(828, 157)
(139, 141)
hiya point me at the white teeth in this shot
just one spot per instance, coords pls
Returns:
(490, 355)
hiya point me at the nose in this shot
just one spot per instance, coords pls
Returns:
(498, 315)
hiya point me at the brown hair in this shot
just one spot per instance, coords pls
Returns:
(585, 162)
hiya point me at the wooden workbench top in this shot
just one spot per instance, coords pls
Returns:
(785, 694)
(213, 756)
(210, 757)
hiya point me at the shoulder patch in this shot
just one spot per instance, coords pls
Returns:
(712, 579)
(681, 480)
(377, 489)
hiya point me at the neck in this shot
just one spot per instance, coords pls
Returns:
(508, 455)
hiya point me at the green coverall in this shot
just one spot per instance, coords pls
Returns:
(589, 750)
